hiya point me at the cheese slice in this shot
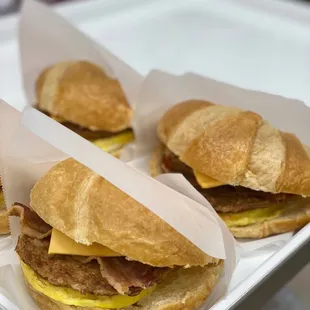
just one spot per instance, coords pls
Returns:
(62, 244)
(205, 181)
(114, 143)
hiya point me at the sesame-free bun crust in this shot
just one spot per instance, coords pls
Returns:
(4, 223)
(183, 289)
(4, 219)
(88, 209)
(155, 163)
(236, 147)
(286, 223)
(81, 93)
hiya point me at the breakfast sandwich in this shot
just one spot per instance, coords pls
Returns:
(255, 176)
(85, 244)
(82, 97)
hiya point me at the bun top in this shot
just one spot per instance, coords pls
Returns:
(236, 147)
(87, 208)
(81, 93)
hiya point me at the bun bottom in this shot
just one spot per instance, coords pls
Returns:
(184, 289)
(289, 222)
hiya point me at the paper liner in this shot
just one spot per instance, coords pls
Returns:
(5, 243)
(38, 142)
(46, 38)
(181, 185)
(9, 118)
(160, 91)
(13, 292)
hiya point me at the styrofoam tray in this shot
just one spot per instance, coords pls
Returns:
(261, 45)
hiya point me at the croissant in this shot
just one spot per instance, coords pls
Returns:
(252, 164)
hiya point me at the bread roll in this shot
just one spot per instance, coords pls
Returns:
(4, 223)
(87, 208)
(4, 220)
(81, 93)
(236, 147)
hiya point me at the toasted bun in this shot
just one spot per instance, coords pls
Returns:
(4, 220)
(236, 147)
(289, 222)
(88, 209)
(155, 164)
(81, 93)
(183, 289)
(4, 224)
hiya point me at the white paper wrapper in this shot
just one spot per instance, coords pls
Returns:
(160, 91)
(180, 184)
(13, 293)
(37, 143)
(247, 247)
(46, 38)
(9, 119)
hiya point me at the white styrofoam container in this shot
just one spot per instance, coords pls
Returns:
(262, 45)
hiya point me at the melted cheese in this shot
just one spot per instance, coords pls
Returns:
(254, 216)
(72, 297)
(115, 143)
(205, 181)
(62, 244)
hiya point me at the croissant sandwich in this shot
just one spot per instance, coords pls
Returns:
(85, 244)
(255, 176)
(82, 97)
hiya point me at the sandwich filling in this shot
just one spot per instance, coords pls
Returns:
(236, 205)
(72, 297)
(108, 141)
(104, 282)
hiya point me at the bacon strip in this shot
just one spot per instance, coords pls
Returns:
(123, 274)
(32, 224)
